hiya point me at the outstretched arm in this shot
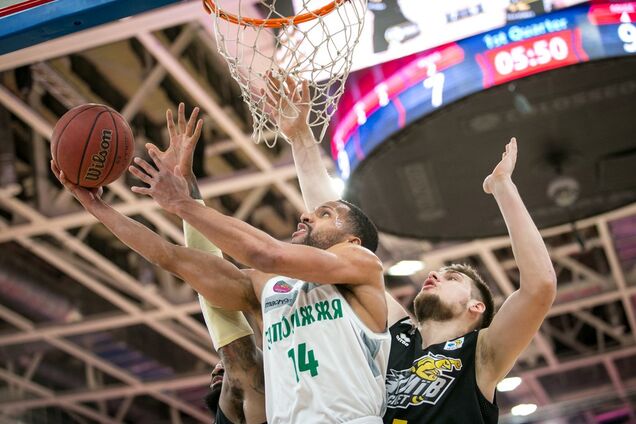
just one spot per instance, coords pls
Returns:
(216, 279)
(289, 105)
(344, 263)
(522, 313)
(243, 394)
(315, 182)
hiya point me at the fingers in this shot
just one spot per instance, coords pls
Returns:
(172, 130)
(140, 190)
(60, 175)
(55, 169)
(155, 158)
(291, 85)
(273, 81)
(197, 130)
(96, 193)
(181, 122)
(150, 146)
(273, 87)
(513, 145)
(141, 175)
(270, 102)
(149, 169)
(192, 121)
(305, 92)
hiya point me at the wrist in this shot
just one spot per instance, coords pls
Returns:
(183, 204)
(193, 187)
(501, 183)
(302, 138)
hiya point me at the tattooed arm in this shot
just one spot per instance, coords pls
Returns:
(243, 392)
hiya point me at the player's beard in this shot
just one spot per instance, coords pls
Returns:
(321, 240)
(212, 398)
(429, 307)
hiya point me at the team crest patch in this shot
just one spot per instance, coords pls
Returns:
(282, 287)
(425, 382)
(402, 338)
(454, 344)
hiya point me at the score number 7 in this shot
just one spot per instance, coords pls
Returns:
(435, 83)
(627, 34)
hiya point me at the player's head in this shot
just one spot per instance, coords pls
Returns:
(455, 292)
(216, 384)
(336, 222)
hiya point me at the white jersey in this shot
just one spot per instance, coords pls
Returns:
(322, 364)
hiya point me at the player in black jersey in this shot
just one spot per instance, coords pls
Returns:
(445, 366)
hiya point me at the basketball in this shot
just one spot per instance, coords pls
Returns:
(92, 144)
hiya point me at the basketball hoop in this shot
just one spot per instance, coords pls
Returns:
(271, 22)
(315, 45)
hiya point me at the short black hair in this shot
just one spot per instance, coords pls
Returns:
(483, 292)
(362, 227)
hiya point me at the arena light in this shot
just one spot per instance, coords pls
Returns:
(405, 268)
(508, 384)
(523, 409)
(338, 185)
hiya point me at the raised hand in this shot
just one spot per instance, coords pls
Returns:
(88, 197)
(183, 140)
(503, 170)
(288, 105)
(168, 187)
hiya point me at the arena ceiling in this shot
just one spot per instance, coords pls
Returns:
(90, 332)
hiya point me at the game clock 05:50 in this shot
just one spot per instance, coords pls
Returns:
(539, 53)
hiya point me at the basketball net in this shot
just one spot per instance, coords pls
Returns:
(315, 45)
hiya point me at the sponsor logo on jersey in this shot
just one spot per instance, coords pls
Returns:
(403, 338)
(454, 344)
(280, 300)
(282, 287)
(302, 316)
(425, 382)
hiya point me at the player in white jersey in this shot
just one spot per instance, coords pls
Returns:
(325, 321)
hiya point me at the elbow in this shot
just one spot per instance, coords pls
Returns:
(267, 259)
(549, 283)
(544, 290)
(165, 257)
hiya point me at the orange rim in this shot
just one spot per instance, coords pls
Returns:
(211, 8)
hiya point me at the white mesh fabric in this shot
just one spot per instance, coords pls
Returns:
(319, 51)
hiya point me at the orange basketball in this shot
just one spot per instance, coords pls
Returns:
(92, 144)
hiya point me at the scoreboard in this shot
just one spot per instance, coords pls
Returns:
(378, 102)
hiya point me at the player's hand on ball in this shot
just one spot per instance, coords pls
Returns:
(503, 170)
(183, 140)
(86, 196)
(168, 187)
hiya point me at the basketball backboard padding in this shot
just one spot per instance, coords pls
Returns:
(26, 23)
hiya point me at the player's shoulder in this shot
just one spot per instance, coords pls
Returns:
(259, 280)
(355, 252)
(404, 325)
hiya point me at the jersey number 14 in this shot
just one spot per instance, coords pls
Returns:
(303, 360)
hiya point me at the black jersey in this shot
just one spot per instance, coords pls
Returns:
(434, 385)
(221, 418)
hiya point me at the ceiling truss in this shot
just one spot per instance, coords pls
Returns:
(591, 327)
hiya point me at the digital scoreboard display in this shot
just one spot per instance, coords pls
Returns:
(380, 101)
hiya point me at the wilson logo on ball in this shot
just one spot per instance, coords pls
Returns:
(99, 159)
